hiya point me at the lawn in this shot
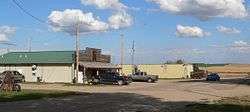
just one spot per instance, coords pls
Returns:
(236, 104)
(32, 94)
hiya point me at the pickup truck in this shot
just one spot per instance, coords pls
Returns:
(143, 76)
(111, 78)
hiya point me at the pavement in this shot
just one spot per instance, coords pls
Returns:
(163, 96)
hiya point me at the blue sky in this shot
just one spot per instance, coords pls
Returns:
(153, 29)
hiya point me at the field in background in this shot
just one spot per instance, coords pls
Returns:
(231, 69)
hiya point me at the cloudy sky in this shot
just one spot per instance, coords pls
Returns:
(211, 31)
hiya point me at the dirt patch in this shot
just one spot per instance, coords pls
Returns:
(164, 96)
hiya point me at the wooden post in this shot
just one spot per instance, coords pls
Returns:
(84, 71)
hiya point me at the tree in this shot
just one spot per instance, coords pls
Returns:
(180, 61)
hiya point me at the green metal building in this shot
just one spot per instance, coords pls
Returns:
(44, 66)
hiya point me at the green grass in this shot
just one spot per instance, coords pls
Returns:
(32, 94)
(235, 104)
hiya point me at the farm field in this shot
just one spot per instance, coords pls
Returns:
(231, 69)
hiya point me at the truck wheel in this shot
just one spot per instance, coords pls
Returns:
(130, 80)
(120, 82)
(150, 80)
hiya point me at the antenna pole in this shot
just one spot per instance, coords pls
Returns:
(77, 52)
(122, 52)
(29, 49)
(133, 56)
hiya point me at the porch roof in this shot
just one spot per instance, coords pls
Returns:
(99, 65)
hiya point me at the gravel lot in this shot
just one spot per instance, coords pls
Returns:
(165, 95)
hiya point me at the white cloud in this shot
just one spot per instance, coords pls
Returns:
(105, 4)
(188, 31)
(180, 52)
(3, 38)
(241, 46)
(5, 32)
(228, 30)
(120, 20)
(7, 29)
(204, 9)
(240, 43)
(66, 21)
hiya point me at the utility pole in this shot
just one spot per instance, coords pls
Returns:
(29, 44)
(133, 57)
(8, 50)
(77, 51)
(122, 52)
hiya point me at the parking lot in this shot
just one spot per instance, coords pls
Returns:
(165, 95)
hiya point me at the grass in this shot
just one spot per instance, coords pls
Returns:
(32, 94)
(236, 104)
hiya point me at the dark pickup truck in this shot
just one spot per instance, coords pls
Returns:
(111, 78)
(143, 76)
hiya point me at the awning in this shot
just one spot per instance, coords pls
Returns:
(99, 65)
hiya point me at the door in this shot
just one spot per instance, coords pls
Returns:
(137, 76)
(106, 78)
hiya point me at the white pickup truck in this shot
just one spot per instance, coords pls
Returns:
(143, 76)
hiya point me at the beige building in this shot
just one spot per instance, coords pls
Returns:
(163, 70)
(57, 66)
(44, 66)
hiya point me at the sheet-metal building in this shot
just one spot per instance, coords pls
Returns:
(163, 70)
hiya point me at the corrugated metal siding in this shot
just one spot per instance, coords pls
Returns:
(37, 57)
(49, 73)
(163, 70)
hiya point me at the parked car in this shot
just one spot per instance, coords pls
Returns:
(111, 78)
(18, 77)
(143, 76)
(213, 77)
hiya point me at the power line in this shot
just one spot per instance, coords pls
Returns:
(18, 3)
(6, 43)
(27, 12)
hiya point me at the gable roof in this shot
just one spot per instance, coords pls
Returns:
(41, 57)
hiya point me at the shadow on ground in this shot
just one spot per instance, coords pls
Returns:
(113, 102)
(241, 81)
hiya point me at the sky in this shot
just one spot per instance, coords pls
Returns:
(214, 31)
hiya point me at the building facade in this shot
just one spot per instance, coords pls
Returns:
(44, 66)
(57, 66)
(92, 63)
(163, 70)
